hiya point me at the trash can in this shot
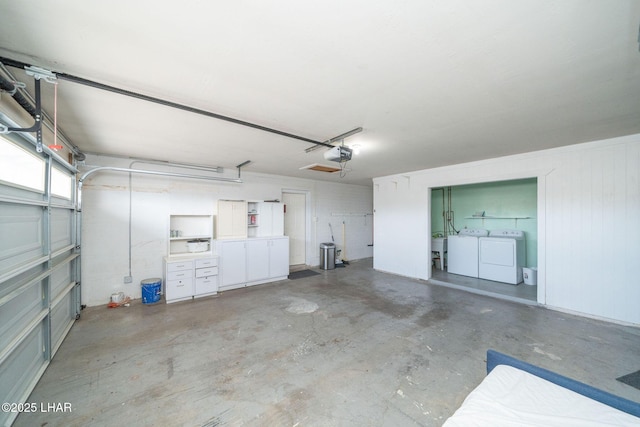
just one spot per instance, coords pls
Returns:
(327, 256)
(530, 276)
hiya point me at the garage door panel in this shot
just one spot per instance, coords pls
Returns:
(62, 316)
(18, 310)
(21, 228)
(23, 367)
(60, 278)
(61, 223)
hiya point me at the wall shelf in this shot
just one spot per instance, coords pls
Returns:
(514, 218)
(497, 217)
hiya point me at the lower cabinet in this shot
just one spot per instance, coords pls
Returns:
(257, 259)
(233, 261)
(186, 278)
(253, 261)
(279, 257)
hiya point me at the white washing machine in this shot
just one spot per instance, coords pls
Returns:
(502, 256)
(462, 252)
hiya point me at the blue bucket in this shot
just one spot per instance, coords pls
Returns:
(151, 290)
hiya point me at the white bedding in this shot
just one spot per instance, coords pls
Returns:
(512, 397)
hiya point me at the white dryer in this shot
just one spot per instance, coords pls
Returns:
(462, 252)
(502, 256)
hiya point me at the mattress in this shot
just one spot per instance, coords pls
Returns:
(511, 397)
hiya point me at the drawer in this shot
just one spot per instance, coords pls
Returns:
(179, 288)
(180, 265)
(206, 285)
(209, 271)
(182, 274)
(207, 262)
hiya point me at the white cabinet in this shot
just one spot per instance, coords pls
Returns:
(184, 229)
(267, 258)
(231, 219)
(279, 257)
(178, 280)
(249, 262)
(206, 276)
(271, 219)
(257, 259)
(233, 263)
(185, 278)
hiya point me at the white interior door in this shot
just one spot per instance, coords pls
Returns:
(295, 226)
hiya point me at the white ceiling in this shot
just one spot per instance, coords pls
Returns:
(432, 83)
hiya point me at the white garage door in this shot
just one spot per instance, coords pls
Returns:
(39, 264)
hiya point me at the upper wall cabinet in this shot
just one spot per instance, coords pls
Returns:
(265, 219)
(231, 219)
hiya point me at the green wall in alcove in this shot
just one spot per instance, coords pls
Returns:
(517, 198)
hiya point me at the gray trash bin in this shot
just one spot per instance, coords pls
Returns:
(327, 256)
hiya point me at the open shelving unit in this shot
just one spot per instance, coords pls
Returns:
(185, 228)
(253, 218)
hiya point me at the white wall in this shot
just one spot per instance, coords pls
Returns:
(105, 219)
(588, 222)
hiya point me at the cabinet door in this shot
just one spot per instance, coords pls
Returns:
(271, 219)
(265, 217)
(231, 219)
(224, 219)
(279, 257)
(233, 262)
(239, 219)
(179, 288)
(257, 259)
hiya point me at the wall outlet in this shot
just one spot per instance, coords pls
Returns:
(128, 279)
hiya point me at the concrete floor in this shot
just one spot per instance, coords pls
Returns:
(522, 293)
(348, 347)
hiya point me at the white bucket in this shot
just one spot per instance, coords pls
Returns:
(530, 276)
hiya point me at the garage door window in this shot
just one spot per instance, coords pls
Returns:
(60, 184)
(20, 168)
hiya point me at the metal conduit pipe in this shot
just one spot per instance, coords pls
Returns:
(147, 172)
(216, 169)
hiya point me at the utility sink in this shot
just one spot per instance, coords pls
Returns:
(439, 245)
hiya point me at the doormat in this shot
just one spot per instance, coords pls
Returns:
(632, 379)
(302, 273)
